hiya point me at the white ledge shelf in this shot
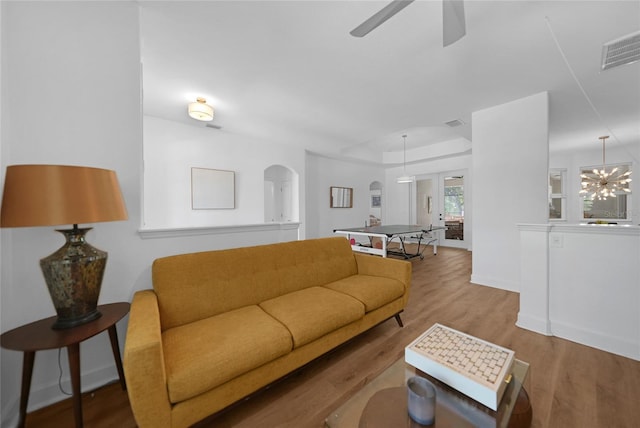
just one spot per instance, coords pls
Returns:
(215, 230)
(609, 229)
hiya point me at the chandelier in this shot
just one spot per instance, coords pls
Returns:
(600, 184)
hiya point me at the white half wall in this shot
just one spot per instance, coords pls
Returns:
(510, 176)
(171, 149)
(594, 286)
(581, 282)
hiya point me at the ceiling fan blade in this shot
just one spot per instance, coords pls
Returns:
(453, 24)
(381, 16)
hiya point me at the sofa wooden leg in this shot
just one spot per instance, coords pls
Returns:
(398, 319)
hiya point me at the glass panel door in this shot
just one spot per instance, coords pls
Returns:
(452, 187)
(440, 202)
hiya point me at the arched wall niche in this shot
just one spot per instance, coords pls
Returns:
(281, 201)
(375, 203)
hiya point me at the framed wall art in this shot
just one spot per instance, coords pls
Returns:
(212, 189)
(340, 197)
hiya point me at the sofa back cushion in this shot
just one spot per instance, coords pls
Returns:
(195, 286)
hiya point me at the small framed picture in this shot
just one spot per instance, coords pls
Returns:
(340, 197)
(376, 201)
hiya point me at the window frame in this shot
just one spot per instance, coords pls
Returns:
(562, 195)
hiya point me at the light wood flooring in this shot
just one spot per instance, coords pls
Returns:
(570, 385)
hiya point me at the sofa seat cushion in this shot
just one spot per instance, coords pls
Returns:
(313, 312)
(204, 354)
(372, 291)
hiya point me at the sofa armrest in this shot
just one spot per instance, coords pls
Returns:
(388, 268)
(144, 363)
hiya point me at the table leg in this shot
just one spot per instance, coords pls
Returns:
(418, 252)
(74, 368)
(27, 371)
(385, 241)
(404, 252)
(113, 336)
(522, 414)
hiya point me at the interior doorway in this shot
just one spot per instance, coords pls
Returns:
(453, 208)
(280, 194)
(440, 201)
(375, 204)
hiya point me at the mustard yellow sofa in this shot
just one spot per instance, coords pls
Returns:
(220, 325)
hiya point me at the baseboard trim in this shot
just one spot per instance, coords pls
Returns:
(495, 283)
(596, 340)
(537, 325)
(42, 396)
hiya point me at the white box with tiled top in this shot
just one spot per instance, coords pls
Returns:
(477, 368)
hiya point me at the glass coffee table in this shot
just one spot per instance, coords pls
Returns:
(383, 403)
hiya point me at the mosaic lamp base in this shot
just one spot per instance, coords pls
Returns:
(74, 276)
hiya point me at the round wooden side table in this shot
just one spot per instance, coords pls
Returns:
(38, 336)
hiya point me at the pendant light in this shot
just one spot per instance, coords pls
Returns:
(600, 184)
(405, 178)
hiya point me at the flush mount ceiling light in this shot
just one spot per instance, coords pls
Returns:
(200, 110)
(404, 178)
(600, 184)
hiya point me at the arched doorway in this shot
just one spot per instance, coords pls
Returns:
(280, 194)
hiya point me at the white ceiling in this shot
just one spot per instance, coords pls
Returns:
(289, 72)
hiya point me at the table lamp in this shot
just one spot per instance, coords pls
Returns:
(48, 195)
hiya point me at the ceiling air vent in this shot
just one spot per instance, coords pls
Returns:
(624, 50)
(454, 123)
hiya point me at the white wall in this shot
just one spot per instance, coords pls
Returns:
(71, 95)
(510, 176)
(79, 63)
(171, 149)
(322, 173)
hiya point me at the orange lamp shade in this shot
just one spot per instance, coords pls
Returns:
(48, 195)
